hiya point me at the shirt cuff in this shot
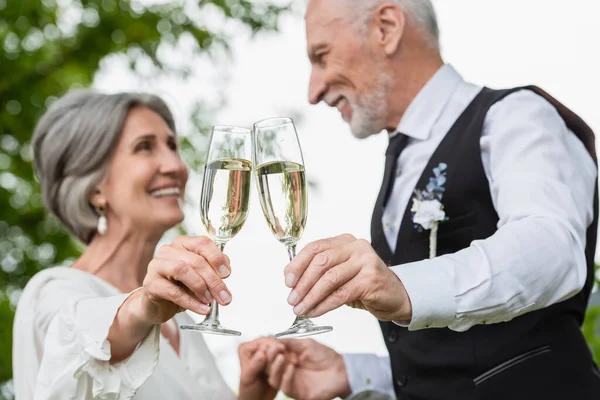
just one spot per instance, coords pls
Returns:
(369, 376)
(127, 376)
(430, 292)
(88, 333)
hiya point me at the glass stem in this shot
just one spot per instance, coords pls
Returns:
(213, 317)
(291, 248)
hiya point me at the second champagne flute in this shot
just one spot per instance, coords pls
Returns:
(224, 200)
(279, 167)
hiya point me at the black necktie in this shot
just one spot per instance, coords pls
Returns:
(395, 147)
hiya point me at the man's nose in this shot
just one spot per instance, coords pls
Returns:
(316, 88)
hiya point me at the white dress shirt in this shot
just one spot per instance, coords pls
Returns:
(541, 181)
(60, 349)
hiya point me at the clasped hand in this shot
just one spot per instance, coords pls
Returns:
(302, 369)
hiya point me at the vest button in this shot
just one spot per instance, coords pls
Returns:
(393, 336)
(401, 381)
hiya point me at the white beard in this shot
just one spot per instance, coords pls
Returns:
(369, 111)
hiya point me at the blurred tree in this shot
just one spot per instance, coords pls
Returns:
(591, 330)
(50, 46)
(591, 324)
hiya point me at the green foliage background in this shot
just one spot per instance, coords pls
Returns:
(48, 47)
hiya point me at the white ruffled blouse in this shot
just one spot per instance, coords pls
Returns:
(60, 349)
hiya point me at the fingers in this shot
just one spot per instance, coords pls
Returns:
(167, 290)
(262, 355)
(332, 283)
(275, 371)
(271, 347)
(294, 270)
(275, 361)
(278, 362)
(181, 274)
(205, 247)
(329, 274)
(194, 272)
(318, 268)
(262, 342)
(268, 346)
(335, 299)
(253, 367)
(297, 346)
(287, 381)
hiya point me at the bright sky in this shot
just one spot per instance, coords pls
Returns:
(550, 43)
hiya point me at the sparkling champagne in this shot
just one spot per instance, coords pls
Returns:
(224, 202)
(282, 194)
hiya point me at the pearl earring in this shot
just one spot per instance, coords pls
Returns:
(102, 223)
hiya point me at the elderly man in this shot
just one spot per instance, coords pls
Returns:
(483, 234)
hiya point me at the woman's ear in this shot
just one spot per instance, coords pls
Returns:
(98, 200)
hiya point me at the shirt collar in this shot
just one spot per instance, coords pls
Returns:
(423, 112)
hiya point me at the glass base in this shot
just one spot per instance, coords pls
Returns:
(211, 324)
(212, 328)
(301, 327)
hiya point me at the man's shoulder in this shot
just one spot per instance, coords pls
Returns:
(521, 101)
(530, 96)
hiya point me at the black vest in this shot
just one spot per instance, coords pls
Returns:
(538, 355)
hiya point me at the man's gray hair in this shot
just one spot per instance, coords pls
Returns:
(420, 12)
(73, 143)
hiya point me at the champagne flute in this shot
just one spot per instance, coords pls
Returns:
(224, 200)
(279, 169)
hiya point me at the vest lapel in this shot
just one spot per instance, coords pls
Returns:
(407, 227)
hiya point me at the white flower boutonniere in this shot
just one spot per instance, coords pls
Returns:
(427, 208)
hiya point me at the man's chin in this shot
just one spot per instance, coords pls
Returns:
(361, 135)
(360, 132)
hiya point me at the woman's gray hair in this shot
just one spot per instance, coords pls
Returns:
(73, 143)
(420, 12)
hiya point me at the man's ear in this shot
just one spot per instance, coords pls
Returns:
(390, 22)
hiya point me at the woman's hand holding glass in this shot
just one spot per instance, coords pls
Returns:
(186, 274)
(224, 201)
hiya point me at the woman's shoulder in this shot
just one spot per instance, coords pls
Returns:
(53, 287)
(64, 277)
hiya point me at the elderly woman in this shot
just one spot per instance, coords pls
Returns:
(109, 169)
